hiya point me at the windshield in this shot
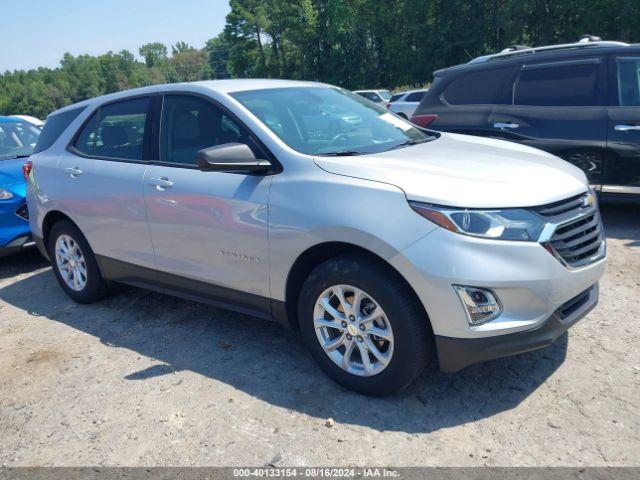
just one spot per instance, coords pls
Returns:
(326, 121)
(17, 138)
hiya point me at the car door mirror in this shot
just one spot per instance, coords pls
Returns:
(232, 158)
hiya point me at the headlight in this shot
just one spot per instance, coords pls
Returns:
(5, 194)
(508, 224)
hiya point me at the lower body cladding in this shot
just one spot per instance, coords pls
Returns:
(536, 297)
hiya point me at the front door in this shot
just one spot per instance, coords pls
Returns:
(559, 107)
(208, 229)
(102, 174)
(624, 126)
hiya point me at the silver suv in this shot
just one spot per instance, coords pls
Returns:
(383, 243)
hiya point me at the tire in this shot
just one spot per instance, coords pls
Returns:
(91, 287)
(412, 338)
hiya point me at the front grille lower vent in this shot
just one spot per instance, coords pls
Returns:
(23, 212)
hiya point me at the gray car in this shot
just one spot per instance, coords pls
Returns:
(384, 244)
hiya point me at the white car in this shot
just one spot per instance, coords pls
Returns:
(36, 122)
(405, 103)
(381, 97)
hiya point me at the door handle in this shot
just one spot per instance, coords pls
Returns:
(503, 125)
(161, 183)
(73, 172)
(627, 128)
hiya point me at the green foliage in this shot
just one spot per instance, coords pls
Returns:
(154, 54)
(352, 43)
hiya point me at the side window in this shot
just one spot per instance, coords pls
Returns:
(492, 86)
(396, 97)
(54, 126)
(116, 131)
(628, 81)
(190, 124)
(415, 97)
(559, 84)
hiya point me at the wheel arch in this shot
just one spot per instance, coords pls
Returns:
(50, 219)
(308, 260)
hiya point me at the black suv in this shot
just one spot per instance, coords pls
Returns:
(579, 101)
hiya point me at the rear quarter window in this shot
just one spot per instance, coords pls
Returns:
(489, 86)
(54, 126)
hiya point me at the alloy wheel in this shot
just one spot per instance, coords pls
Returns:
(353, 330)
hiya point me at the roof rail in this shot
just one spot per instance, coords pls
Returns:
(585, 41)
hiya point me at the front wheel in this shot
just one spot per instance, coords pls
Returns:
(363, 326)
(74, 264)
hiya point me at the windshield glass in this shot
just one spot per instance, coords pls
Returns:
(325, 120)
(17, 138)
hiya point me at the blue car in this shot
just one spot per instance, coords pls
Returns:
(17, 141)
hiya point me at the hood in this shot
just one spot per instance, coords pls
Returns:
(465, 171)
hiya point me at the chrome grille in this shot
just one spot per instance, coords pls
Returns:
(563, 208)
(577, 238)
(23, 212)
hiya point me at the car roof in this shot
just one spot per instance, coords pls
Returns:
(221, 86)
(417, 90)
(548, 52)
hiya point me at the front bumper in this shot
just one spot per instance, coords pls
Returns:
(454, 354)
(17, 244)
(15, 233)
(531, 284)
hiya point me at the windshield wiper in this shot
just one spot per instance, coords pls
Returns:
(341, 153)
(409, 143)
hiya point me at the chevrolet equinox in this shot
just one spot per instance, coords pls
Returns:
(385, 244)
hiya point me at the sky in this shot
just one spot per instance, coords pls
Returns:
(36, 33)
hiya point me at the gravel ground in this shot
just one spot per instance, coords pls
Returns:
(146, 379)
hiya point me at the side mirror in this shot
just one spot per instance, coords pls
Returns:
(232, 158)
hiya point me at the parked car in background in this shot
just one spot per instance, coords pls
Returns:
(580, 101)
(377, 96)
(17, 140)
(405, 103)
(381, 244)
(29, 119)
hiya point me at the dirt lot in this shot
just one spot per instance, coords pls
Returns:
(145, 379)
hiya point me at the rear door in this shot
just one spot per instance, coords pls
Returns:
(466, 102)
(560, 107)
(624, 125)
(101, 186)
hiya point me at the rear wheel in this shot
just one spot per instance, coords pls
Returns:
(363, 326)
(74, 264)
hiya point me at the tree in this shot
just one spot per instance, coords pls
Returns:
(218, 51)
(352, 43)
(181, 47)
(153, 53)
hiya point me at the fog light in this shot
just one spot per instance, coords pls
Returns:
(481, 305)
